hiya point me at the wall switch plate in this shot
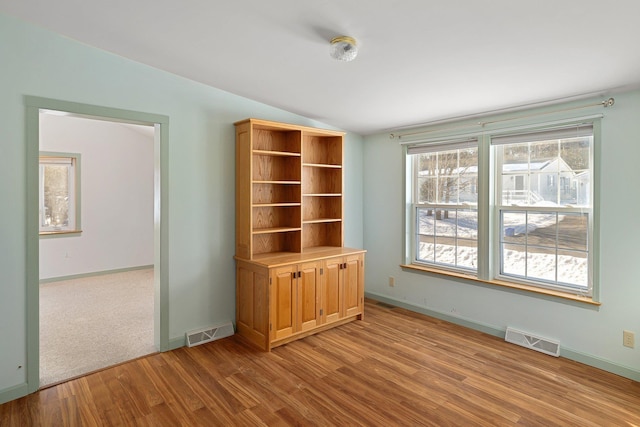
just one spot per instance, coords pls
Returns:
(628, 339)
(392, 281)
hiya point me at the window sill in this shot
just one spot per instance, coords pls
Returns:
(61, 233)
(512, 285)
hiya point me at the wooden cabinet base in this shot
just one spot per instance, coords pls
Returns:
(300, 335)
(283, 298)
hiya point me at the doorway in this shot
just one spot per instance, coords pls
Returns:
(96, 244)
(159, 123)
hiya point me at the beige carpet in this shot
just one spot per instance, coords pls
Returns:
(91, 323)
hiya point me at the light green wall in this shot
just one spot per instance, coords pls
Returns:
(201, 279)
(585, 333)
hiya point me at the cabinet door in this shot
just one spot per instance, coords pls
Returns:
(308, 295)
(332, 290)
(252, 312)
(282, 302)
(353, 285)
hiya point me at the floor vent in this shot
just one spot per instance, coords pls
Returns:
(206, 335)
(533, 342)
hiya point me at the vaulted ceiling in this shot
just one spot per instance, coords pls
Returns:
(419, 60)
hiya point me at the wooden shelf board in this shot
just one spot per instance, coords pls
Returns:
(322, 195)
(322, 165)
(320, 220)
(275, 230)
(277, 182)
(276, 153)
(276, 205)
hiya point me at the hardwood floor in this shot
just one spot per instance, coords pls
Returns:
(394, 368)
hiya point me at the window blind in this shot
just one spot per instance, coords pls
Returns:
(432, 147)
(574, 131)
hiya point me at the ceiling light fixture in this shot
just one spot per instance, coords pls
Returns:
(344, 48)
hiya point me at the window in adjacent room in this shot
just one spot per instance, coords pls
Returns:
(522, 213)
(59, 193)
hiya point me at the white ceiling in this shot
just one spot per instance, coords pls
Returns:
(419, 60)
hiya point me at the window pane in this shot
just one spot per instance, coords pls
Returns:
(467, 253)
(447, 236)
(427, 182)
(448, 189)
(56, 196)
(542, 229)
(541, 264)
(426, 221)
(546, 173)
(446, 222)
(541, 152)
(515, 153)
(575, 152)
(445, 250)
(573, 268)
(468, 176)
(425, 238)
(426, 250)
(534, 246)
(514, 260)
(448, 177)
(427, 190)
(573, 232)
(468, 224)
(582, 187)
(514, 227)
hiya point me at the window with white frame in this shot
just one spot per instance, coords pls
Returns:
(445, 204)
(535, 207)
(59, 184)
(545, 226)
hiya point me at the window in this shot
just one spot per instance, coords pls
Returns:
(533, 216)
(59, 191)
(445, 204)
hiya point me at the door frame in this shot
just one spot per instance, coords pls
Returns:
(161, 217)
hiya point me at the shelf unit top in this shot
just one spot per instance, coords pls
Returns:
(271, 125)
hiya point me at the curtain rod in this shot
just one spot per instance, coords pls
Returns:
(606, 103)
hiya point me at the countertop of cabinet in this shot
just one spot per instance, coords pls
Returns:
(310, 254)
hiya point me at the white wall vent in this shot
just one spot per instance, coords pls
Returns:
(533, 342)
(212, 333)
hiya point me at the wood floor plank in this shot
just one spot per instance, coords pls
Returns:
(395, 367)
(206, 385)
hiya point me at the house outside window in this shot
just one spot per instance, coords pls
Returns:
(59, 183)
(533, 218)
